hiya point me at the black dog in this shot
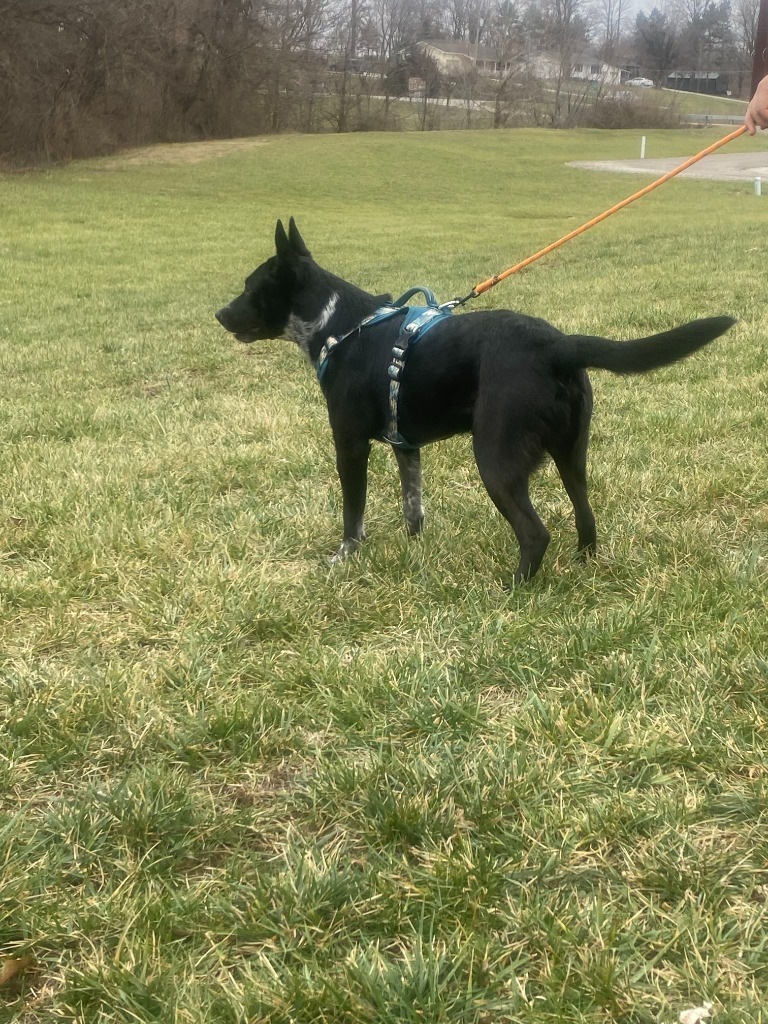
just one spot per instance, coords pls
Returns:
(517, 383)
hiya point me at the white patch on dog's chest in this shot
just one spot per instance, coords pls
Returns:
(301, 331)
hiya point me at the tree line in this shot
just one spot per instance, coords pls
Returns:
(82, 77)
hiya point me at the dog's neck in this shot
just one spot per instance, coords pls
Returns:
(304, 332)
(344, 305)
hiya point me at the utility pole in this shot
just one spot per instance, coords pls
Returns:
(353, 31)
(760, 61)
(349, 56)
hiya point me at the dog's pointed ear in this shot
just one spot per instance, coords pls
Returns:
(282, 245)
(296, 240)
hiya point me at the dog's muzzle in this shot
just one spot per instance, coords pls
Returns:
(222, 315)
(228, 322)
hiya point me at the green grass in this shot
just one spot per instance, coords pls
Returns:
(404, 115)
(676, 102)
(695, 103)
(238, 785)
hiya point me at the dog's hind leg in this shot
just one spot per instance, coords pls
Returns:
(505, 472)
(572, 467)
(352, 466)
(570, 457)
(409, 465)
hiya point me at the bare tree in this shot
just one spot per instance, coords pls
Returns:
(565, 31)
(394, 23)
(504, 26)
(745, 25)
(608, 18)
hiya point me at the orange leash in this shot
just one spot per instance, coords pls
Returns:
(485, 285)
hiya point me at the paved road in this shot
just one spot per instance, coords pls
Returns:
(718, 166)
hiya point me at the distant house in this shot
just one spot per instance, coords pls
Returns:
(541, 64)
(592, 69)
(456, 58)
(587, 69)
(710, 83)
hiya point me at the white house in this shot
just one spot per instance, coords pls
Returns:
(584, 68)
(541, 64)
(456, 58)
(592, 69)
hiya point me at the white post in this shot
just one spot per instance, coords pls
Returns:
(642, 148)
(758, 187)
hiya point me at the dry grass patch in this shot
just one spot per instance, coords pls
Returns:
(181, 153)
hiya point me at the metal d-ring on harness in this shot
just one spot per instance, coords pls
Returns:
(417, 321)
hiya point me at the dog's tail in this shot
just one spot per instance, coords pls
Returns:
(582, 351)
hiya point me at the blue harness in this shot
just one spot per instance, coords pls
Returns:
(416, 322)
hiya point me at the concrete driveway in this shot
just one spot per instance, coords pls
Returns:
(717, 167)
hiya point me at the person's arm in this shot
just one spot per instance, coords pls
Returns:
(757, 111)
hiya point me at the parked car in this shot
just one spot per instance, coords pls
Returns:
(646, 83)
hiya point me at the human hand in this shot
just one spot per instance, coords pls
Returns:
(757, 111)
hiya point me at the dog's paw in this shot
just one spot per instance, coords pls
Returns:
(347, 547)
(414, 527)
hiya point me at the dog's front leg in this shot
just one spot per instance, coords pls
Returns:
(409, 465)
(352, 466)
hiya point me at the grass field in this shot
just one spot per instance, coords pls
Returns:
(240, 785)
(693, 103)
(412, 116)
